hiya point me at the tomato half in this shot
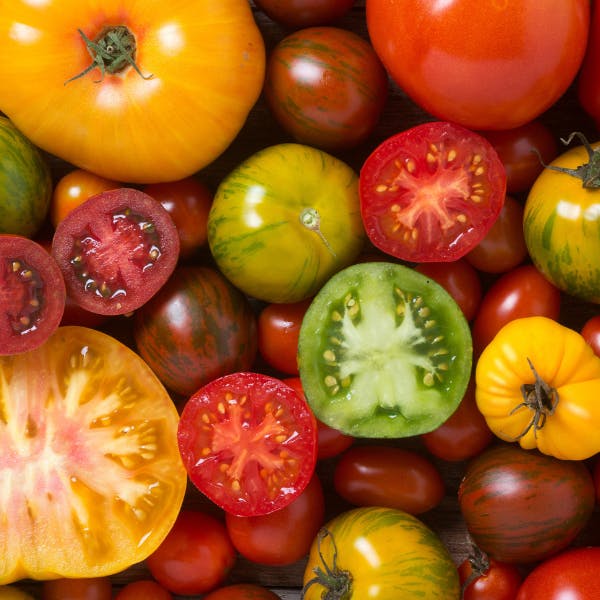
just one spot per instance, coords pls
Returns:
(431, 192)
(91, 458)
(158, 106)
(249, 443)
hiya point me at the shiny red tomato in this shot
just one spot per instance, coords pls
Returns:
(460, 280)
(92, 588)
(242, 591)
(196, 555)
(591, 333)
(283, 536)
(144, 589)
(296, 14)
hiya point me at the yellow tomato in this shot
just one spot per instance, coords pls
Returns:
(538, 383)
(170, 88)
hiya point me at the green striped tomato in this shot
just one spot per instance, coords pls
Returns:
(25, 183)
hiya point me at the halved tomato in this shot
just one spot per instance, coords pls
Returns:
(91, 477)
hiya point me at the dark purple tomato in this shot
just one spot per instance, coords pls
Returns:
(295, 14)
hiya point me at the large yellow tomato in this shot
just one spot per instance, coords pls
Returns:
(133, 90)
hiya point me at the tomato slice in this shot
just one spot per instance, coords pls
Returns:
(432, 192)
(32, 294)
(116, 250)
(249, 443)
(91, 477)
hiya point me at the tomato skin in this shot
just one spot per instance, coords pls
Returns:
(196, 555)
(296, 14)
(326, 87)
(143, 589)
(92, 588)
(521, 506)
(490, 579)
(591, 333)
(588, 89)
(441, 56)
(242, 591)
(372, 475)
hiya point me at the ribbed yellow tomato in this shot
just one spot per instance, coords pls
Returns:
(172, 83)
(538, 383)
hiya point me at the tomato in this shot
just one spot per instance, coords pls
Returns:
(503, 247)
(383, 352)
(375, 552)
(9, 592)
(116, 250)
(278, 330)
(459, 279)
(374, 475)
(560, 223)
(242, 591)
(571, 574)
(91, 588)
(143, 589)
(597, 478)
(92, 434)
(431, 192)
(297, 14)
(278, 237)
(195, 556)
(326, 87)
(523, 151)
(159, 108)
(521, 506)
(486, 65)
(32, 296)
(283, 536)
(463, 435)
(591, 333)
(74, 188)
(249, 443)
(588, 91)
(188, 202)
(521, 292)
(536, 383)
(196, 328)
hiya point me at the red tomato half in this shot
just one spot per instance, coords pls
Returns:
(431, 193)
(249, 443)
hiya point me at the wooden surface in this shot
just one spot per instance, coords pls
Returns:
(400, 113)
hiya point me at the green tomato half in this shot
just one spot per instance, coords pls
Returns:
(284, 221)
(384, 352)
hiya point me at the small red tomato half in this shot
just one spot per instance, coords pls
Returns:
(248, 442)
(431, 192)
(116, 250)
(388, 476)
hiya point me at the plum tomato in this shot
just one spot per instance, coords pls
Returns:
(249, 442)
(431, 192)
(143, 589)
(384, 352)
(296, 14)
(32, 294)
(283, 536)
(376, 475)
(196, 555)
(116, 250)
(89, 588)
(591, 333)
(242, 591)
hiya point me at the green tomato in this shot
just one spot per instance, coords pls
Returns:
(384, 352)
(284, 221)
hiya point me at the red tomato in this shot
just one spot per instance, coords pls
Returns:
(597, 478)
(296, 14)
(503, 248)
(242, 591)
(196, 555)
(248, 442)
(588, 89)
(570, 575)
(92, 588)
(283, 536)
(464, 435)
(144, 589)
(485, 65)
(591, 333)
(522, 292)
(326, 87)
(278, 328)
(370, 475)
(188, 201)
(431, 193)
(460, 280)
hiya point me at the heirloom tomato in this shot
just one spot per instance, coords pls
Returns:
(296, 14)
(242, 591)
(591, 333)
(89, 588)
(485, 65)
(381, 554)
(536, 384)
(383, 352)
(135, 92)
(284, 220)
(197, 328)
(143, 589)
(588, 87)
(521, 506)
(92, 480)
(561, 221)
(431, 192)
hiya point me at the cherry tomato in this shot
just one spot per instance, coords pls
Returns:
(144, 589)
(460, 280)
(195, 556)
(242, 591)
(91, 588)
(503, 248)
(591, 333)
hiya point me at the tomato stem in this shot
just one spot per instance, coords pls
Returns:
(112, 51)
(480, 565)
(311, 219)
